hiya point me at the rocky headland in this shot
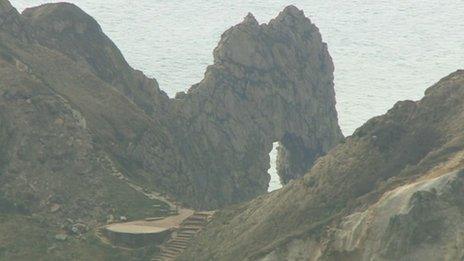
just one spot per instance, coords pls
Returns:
(85, 138)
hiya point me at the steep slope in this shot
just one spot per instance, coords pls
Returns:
(67, 29)
(392, 191)
(56, 173)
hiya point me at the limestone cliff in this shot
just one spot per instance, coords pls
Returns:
(79, 127)
(269, 82)
(392, 191)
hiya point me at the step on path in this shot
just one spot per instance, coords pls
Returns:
(181, 238)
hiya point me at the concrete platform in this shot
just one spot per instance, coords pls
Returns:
(144, 232)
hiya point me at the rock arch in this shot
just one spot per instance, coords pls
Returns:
(269, 82)
(207, 147)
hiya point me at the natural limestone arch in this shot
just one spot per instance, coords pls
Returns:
(210, 146)
(270, 82)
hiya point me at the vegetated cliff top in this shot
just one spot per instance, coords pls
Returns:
(386, 193)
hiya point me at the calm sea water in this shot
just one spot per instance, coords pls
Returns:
(383, 50)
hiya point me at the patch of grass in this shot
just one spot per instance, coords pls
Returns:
(24, 238)
(133, 205)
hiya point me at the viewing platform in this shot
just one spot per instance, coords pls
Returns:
(144, 232)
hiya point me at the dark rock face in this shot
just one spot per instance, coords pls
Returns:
(392, 191)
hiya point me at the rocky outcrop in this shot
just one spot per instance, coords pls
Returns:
(418, 221)
(270, 82)
(67, 29)
(392, 191)
(80, 130)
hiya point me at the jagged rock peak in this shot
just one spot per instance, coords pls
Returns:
(240, 43)
(292, 10)
(250, 19)
(290, 17)
(273, 81)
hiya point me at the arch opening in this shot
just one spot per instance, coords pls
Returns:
(275, 182)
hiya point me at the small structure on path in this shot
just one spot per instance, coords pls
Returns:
(144, 232)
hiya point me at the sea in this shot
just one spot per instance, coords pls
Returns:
(383, 50)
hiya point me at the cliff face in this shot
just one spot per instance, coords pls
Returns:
(79, 127)
(392, 191)
(270, 82)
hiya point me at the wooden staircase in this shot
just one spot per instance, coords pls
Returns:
(181, 238)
